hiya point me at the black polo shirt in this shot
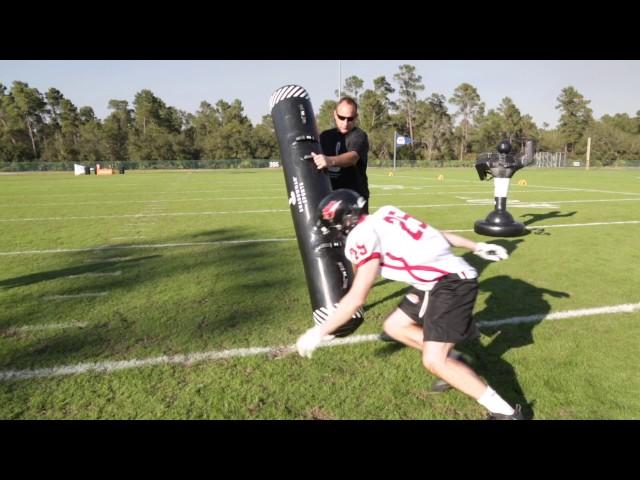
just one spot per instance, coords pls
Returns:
(335, 143)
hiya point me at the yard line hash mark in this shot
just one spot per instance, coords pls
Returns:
(192, 358)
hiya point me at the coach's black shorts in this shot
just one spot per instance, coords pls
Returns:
(449, 314)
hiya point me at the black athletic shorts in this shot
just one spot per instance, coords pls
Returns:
(449, 314)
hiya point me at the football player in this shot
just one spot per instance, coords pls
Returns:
(436, 313)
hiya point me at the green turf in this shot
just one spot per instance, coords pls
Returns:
(170, 298)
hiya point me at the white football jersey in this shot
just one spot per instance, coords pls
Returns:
(409, 250)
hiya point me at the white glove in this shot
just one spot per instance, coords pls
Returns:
(308, 342)
(491, 251)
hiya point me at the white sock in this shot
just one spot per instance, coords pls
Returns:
(494, 402)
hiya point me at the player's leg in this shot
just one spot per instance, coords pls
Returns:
(404, 325)
(449, 320)
(403, 329)
(436, 359)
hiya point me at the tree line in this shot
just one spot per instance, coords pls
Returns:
(50, 128)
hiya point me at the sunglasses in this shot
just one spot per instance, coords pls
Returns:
(348, 119)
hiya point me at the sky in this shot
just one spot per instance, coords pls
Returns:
(533, 85)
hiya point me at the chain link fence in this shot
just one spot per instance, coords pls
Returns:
(207, 164)
(550, 159)
(137, 165)
(542, 160)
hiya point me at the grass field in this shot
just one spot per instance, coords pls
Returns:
(170, 295)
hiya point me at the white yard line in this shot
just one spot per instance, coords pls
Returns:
(50, 326)
(77, 295)
(593, 224)
(275, 197)
(192, 358)
(433, 179)
(106, 260)
(265, 240)
(537, 227)
(139, 215)
(96, 274)
(152, 201)
(584, 312)
(596, 201)
(241, 212)
(181, 192)
(486, 201)
(484, 192)
(282, 187)
(152, 245)
(427, 191)
(571, 189)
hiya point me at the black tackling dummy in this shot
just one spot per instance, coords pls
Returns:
(329, 274)
(502, 166)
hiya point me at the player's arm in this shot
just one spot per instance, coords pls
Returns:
(347, 306)
(458, 241)
(354, 299)
(488, 251)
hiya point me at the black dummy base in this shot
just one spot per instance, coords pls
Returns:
(500, 223)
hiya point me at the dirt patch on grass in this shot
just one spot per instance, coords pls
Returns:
(281, 352)
(317, 413)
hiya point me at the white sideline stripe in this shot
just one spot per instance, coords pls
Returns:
(191, 358)
(96, 274)
(567, 189)
(475, 203)
(596, 201)
(487, 201)
(138, 215)
(151, 245)
(77, 295)
(593, 224)
(398, 192)
(624, 308)
(267, 240)
(51, 326)
(106, 260)
(538, 227)
(487, 191)
(450, 183)
(572, 189)
(419, 178)
(151, 201)
(597, 191)
(181, 359)
(181, 192)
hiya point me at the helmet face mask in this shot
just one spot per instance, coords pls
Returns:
(339, 212)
